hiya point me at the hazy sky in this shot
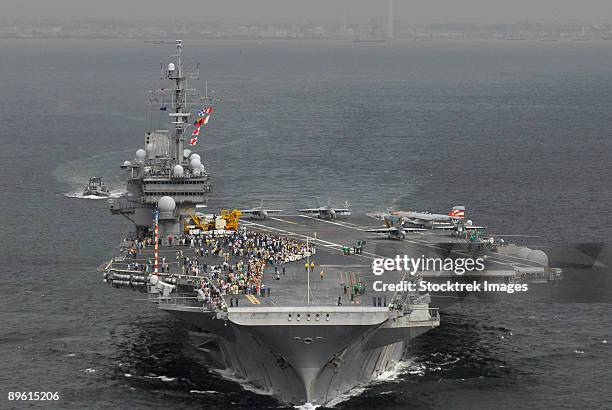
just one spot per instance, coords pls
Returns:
(411, 11)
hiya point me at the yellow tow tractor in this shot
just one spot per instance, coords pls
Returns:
(227, 220)
(231, 219)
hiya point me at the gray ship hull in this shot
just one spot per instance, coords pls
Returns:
(306, 362)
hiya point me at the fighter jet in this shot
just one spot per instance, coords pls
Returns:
(395, 227)
(259, 212)
(428, 220)
(327, 212)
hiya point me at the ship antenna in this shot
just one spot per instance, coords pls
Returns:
(179, 102)
(179, 49)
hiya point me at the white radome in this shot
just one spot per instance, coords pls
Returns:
(177, 171)
(195, 163)
(166, 204)
(195, 156)
(524, 252)
(141, 154)
(186, 153)
(538, 257)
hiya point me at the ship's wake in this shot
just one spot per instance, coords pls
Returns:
(393, 375)
(245, 384)
(79, 194)
(75, 174)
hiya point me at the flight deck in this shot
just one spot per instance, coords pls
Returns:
(336, 274)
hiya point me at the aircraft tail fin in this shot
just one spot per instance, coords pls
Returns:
(392, 220)
(387, 223)
(457, 212)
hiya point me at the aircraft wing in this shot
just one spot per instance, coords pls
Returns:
(444, 227)
(432, 217)
(376, 215)
(342, 210)
(310, 210)
(383, 230)
(273, 211)
(248, 211)
(395, 229)
(468, 227)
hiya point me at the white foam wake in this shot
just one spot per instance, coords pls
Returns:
(79, 194)
(392, 375)
(162, 378)
(245, 384)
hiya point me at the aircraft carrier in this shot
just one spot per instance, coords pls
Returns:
(306, 325)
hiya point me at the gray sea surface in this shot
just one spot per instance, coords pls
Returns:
(518, 132)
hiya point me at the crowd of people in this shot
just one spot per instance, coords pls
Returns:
(239, 260)
(244, 256)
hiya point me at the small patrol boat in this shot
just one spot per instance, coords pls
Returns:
(95, 186)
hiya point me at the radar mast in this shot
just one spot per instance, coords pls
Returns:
(180, 100)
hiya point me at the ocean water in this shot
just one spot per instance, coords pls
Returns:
(519, 132)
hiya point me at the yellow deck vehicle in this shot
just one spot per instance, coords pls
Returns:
(227, 220)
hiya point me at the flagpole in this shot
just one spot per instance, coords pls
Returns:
(308, 271)
(156, 215)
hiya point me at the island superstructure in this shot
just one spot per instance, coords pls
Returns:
(285, 302)
(165, 168)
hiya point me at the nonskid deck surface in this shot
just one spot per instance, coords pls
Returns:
(346, 231)
(340, 271)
